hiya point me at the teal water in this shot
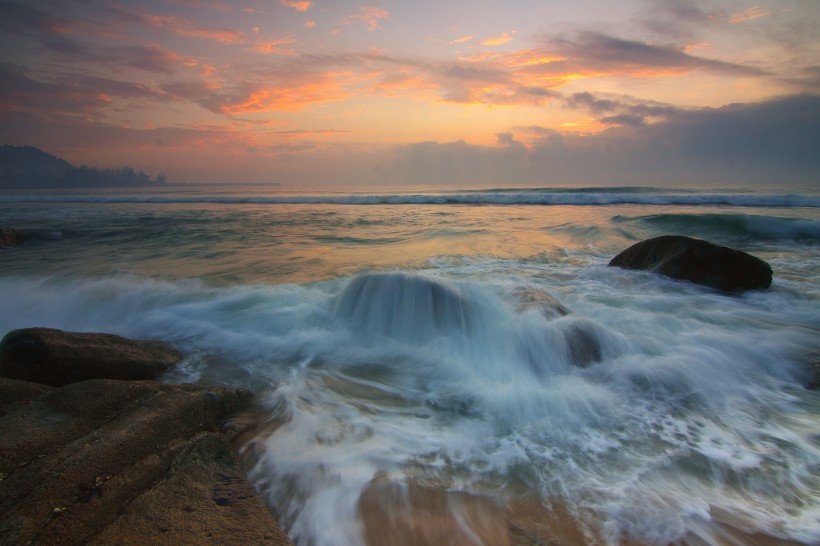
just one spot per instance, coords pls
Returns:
(691, 412)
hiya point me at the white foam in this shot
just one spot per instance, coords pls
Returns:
(692, 406)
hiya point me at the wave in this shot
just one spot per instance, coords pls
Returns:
(743, 226)
(589, 197)
(635, 403)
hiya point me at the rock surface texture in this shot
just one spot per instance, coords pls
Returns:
(697, 261)
(107, 461)
(57, 358)
(11, 237)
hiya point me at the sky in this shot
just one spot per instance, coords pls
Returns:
(421, 92)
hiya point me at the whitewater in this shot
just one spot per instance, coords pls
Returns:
(461, 366)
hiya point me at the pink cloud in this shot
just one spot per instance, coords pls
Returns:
(298, 5)
(463, 39)
(275, 46)
(371, 16)
(186, 28)
(499, 40)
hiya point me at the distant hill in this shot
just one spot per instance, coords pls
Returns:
(26, 167)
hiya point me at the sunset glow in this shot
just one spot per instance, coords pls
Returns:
(303, 92)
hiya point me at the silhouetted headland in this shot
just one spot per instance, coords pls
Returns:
(26, 167)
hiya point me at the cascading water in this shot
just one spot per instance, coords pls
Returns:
(490, 380)
(457, 388)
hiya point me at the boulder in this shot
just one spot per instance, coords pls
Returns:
(57, 358)
(11, 237)
(405, 306)
(583, 344)
(14, 393)
(126, 462)
(697, 261)
(534, 298)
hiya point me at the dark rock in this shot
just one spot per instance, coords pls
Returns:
(127, 462)
(58, 358)
(814, 376)
(403, 306)
(584, 346)
(698, 261)
(14, 393)
(11, 237)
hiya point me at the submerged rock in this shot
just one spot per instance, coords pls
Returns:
(11, 237)
(125, 462)
(57, 358)
(533, 298)
(583, 344)
(698, 261)
(814, 376)
(403, 306)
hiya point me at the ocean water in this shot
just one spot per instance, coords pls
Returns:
(461, 367)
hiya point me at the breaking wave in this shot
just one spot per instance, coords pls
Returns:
(735, 226)
(592, 196)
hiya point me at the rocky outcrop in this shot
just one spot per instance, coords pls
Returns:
(697, 261)
(117, 462)
(11, 237)
(106, 461)
(57, 358)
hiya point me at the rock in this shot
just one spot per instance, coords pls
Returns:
(11, 237)
(126, 462)
(814, 376)
(533, 298)
(583, 344)
(405, 306)
(14, 393)
(698, 261)
(57, 358)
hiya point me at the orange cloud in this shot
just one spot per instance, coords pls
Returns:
(301, 133)
(463, 39)
(310, 24)
(369, 15)
(274, 46)
(298, 5)
(748, 15)
(498, 40)
(183, 27)
(323, 87)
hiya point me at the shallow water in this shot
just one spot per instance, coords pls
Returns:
(420, 381)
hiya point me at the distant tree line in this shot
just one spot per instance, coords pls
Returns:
(125, 176)
(28, 167)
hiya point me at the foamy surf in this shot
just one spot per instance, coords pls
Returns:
(594, 197)
(461, 374)
(458, 393)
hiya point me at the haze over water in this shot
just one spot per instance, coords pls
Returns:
(420, 384)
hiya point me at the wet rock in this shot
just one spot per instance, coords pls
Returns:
(11, 237)
(814, 376)
(697, 261)
(404, 306)
(58, 358)
(583, 344)
(126, 462)
(533, 298)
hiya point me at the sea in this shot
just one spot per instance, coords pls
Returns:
(460, 366)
